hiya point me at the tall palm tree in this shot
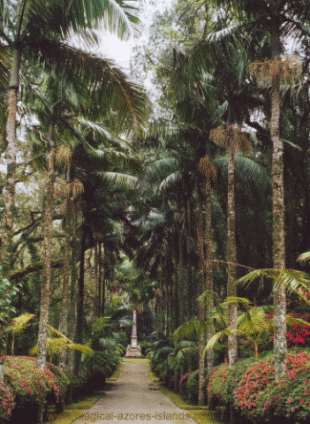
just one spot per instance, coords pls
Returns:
(278, 19)
(60, 106)
(36, 32)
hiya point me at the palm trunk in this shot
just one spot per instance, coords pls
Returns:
(96, 303)
(209, 269)
(80, 306)
(100, 314)
(256, 350)
(201, 307)
(73, 294)
(231, 251)
(279, 293)
(103, 272)
(12, 149)
(63, 321)
(177, 283)
(48, 238)
(188, 263)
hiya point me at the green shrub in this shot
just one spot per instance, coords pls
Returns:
(183, 385)
(192, 387)
(7, 403)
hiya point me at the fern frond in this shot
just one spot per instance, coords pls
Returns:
(21, 322)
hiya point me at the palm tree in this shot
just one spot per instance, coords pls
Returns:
(35, 32)
(278, 18)
(60, 105)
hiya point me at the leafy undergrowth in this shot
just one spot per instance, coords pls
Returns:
(116, 373)
(154, 378)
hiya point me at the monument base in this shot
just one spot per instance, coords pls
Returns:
(133, 352)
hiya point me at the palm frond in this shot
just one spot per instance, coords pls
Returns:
(240, 300)
(254, 321)
(120, 180)
(110, 87)
(99, 128)
(295, 146)
(290, 320)
(208, 295)
(190, 328)
(117, 16)
(295, 281)
(225, 34)
(303, 257)
(220, 111)
(247, 170)
(56, 345)
(216, 338)
(159, 168)
(170, 180)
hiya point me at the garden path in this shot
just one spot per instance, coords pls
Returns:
(134, 399)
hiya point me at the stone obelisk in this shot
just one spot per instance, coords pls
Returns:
(133, 350)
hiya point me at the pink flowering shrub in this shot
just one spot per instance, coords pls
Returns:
(61, 381)
(7, 403)
(28, 382)
(258, 396)
(224, 381)
(216, 385)
(298, 334)
(249, 387)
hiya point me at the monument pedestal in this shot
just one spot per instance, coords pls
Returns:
(133, 350)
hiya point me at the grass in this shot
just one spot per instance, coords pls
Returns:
(74, 410)
(179, 401)
(67, 417)
(203, 417)
(87, 402)
(135, 360)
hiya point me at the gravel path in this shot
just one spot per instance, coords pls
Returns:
(133, 398)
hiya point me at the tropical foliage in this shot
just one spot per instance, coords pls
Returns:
(191, 212)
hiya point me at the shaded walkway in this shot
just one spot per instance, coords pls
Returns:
(133, 398)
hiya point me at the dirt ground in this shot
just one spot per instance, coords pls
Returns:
(133, 398)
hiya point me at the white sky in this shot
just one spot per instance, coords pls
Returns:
(113, 48)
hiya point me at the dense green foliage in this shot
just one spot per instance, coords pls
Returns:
(109, 206)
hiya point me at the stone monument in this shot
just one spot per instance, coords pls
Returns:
(133, 350)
